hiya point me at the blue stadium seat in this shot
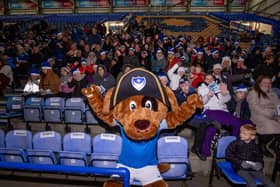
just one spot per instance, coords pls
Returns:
(13, 109)
(74, 111)
(46, 145)
(53, 110)
(173, 150)
(106, 150)
(221, 166)
(17, 141)
(2, 138)
(90, 119)
(76, 147)
(32, 110)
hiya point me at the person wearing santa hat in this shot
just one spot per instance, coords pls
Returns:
(50, 82)
(32, 85)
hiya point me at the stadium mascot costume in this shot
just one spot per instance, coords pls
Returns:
(141, 107)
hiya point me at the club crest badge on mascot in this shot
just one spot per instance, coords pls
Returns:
(141, 106)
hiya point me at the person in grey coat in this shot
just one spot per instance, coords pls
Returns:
(263, 104)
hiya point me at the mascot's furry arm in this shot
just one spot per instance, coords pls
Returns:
(100, 105)
(175, 117)
(180, 114)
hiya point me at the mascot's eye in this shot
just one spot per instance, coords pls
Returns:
(132, 105)
(148, 104)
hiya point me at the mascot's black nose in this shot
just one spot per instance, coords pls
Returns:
(142, 124)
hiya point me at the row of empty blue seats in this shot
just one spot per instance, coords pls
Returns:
(49, 147)
(80, 149)
(49, 110)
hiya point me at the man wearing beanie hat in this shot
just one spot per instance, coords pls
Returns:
(140, 106)
(49, 81)
(158, 61)
(238, 105)
(131, 58)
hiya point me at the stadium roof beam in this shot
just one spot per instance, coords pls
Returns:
(267, 7)
(272, 15)
(258, 5)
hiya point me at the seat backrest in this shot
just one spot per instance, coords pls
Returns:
(75, 102)
(222, 144)
(107, 143)
(55, 102)
(19, 139)
(2, 139)
(15, 103)
(172, 146)
(34, 101)
(77, 142)
(49, 140)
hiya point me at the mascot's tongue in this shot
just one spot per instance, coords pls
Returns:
(142, 124)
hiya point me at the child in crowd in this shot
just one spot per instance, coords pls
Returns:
(246, 158)
(32, 85)
(197, 76)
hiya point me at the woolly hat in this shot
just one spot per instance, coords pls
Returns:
(65, 69)
(159, 50)
(200, 51)
(171, 51)
(214, 51)
(162, 75)
(139, 81)
(241, 88)
(76, 71)
(103, 52)
(84, 62)
(217, 66)
(35, 72)
(183, 81)
(46, 65)
(181, 68)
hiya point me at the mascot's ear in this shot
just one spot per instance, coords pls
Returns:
(107, 100)
(172, 99)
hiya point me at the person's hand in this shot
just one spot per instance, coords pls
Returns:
(223, 88)
(210, 94)
(70, 79)
(257, 166)
(245, 165)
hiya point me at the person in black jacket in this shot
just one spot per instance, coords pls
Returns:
(246, 158)
(78, 82)
(238, 105)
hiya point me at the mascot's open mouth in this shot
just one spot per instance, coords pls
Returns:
(142, 125)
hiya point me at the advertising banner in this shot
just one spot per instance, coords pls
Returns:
(57, 4)
(1, 7)
(208, 2)
(168, 2)
(238, 3)
(22, 4)
(130, 3)
(92, 3)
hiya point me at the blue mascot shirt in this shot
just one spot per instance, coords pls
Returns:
(137, 154)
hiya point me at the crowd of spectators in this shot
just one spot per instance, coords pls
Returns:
(217, 68)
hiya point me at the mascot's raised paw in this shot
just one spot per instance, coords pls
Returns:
(195, 100)
(90, 91)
